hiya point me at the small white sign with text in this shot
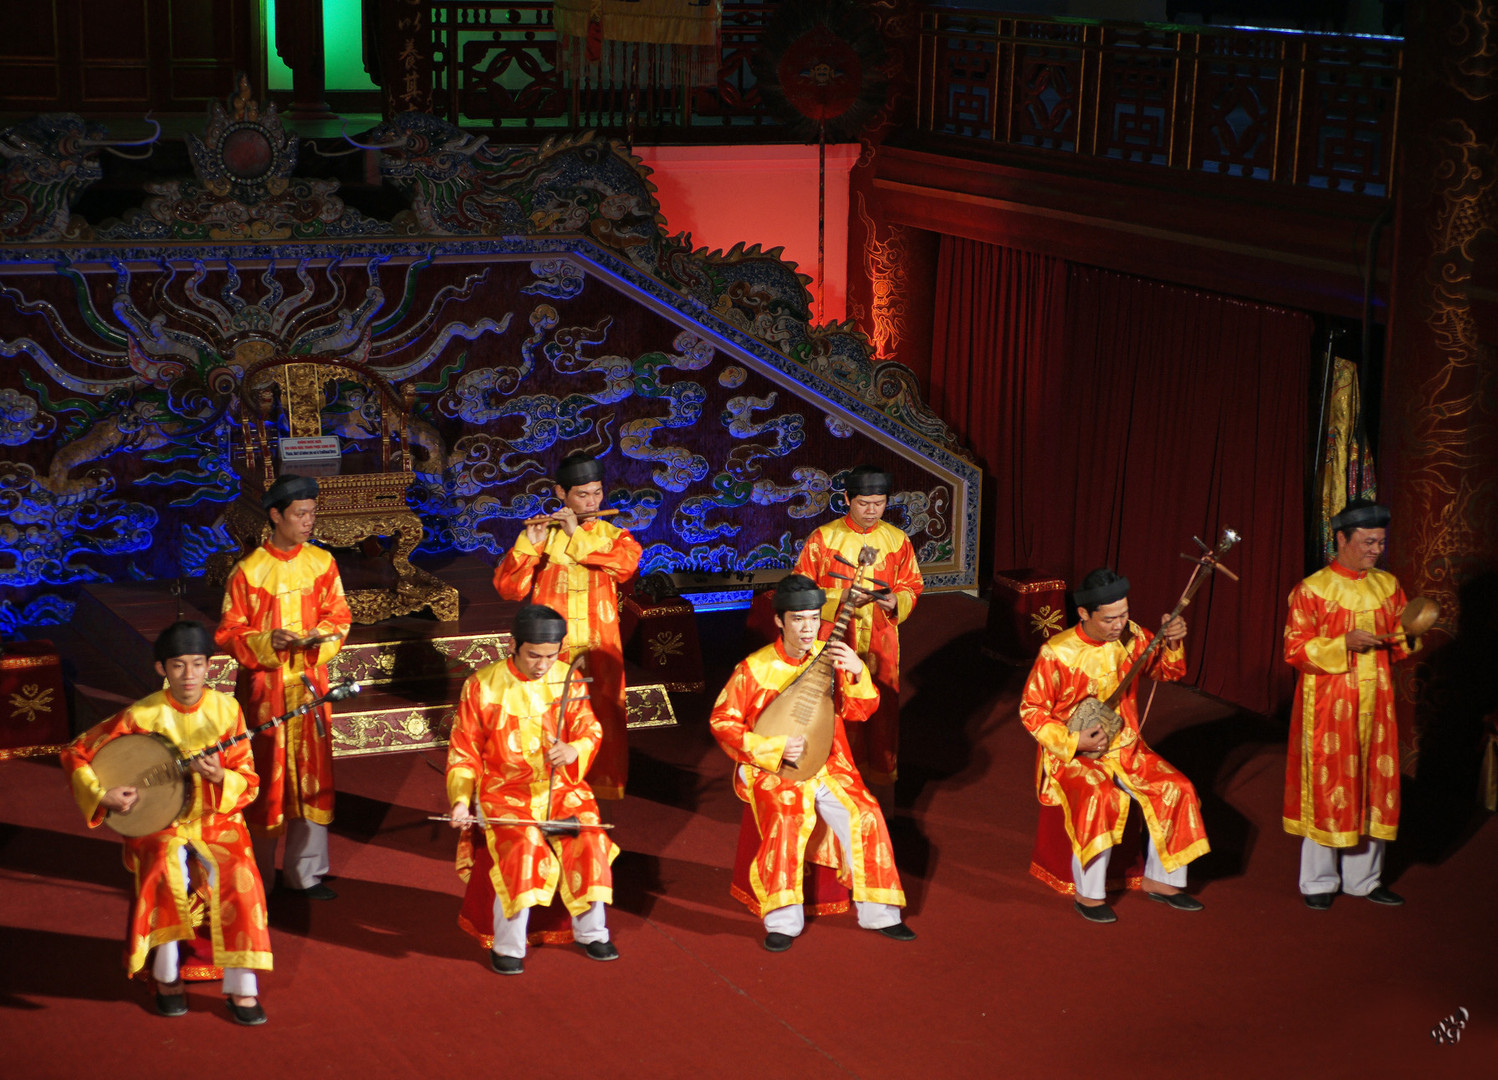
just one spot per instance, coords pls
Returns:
(313, 448)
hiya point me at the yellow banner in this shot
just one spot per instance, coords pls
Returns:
(659, 22)
(1347, 464)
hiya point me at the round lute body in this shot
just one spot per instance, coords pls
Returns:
(151, 765)
(1091, 713)
(158, 771)
(805, 706)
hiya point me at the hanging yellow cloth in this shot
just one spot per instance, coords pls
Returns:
(659, 22)
(1487, 782)
(1347, 462)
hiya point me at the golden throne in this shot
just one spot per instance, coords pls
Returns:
(362, 492)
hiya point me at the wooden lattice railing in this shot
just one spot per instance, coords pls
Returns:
(1314, 110)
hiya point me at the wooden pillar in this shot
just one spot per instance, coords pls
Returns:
(405, 48)
(299, 41)
(1439, 431)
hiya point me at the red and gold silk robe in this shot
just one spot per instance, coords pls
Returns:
(167, 909)
(1342, 770)
(300, 591)
(785, 810)
(579, 579)
(1070, 667)
(505, 724)
(873, 631)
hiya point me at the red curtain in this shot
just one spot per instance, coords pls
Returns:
(1119, 417)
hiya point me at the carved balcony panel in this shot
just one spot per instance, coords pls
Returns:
(1314, 110)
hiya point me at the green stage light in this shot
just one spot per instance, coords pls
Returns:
(343, 48)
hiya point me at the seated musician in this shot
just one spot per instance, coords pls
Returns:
(1092, 779)
(519, 761)
(202, 858)
(830, 817)
(576, 567)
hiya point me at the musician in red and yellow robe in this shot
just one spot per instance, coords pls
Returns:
(1342, 770)
(875, 635)
(280, 595)
(829, 817)
(509, 754)
(200, 868)
(575, 567)
(1092, 779)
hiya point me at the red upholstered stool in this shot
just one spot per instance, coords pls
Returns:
(1025, 607)
(823, 894)
(1051, 860)
(549, 925)
(195, 958)
(33, 709)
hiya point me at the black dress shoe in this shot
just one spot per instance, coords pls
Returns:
(1318, 901)
(320, 891)
(778, 942)
(506, 965)
(898, 932)
(601, 950)
(171, 1004)
(1180, 901)
(1386, 897)
(248, 1015)
(1098, 913)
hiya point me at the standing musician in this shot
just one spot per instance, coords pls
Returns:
(520, 761)
(1093, 779)
(875, 635)
(207, 844)
(1342, 771)
(284, 617)
(830, 817)
(575, 567)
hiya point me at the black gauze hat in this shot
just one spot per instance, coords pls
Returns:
(1361, 514)
(797, 592)
(288, 488)
(1100, 587)
(537, 624)
(866, 480)
(578, 469)
(185, 638)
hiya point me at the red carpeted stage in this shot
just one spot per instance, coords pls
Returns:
(1005, 980)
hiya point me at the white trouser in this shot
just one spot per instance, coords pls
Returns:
(1361, 869)
(1092, 880)
(791, 919)
(239, 982)
(509, 934)
(305, 861)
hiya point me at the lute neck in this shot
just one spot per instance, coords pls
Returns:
(1155, 642)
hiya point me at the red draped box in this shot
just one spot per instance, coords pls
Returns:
(1051, 859)
(660, 636)
(1025, 607)
(33, 708)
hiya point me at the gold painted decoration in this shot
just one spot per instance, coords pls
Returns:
(30, 700)
(1046, 621)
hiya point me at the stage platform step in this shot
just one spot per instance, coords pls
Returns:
(412, 667)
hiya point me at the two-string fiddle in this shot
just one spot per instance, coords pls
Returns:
(1091, 713)
(548, 826)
